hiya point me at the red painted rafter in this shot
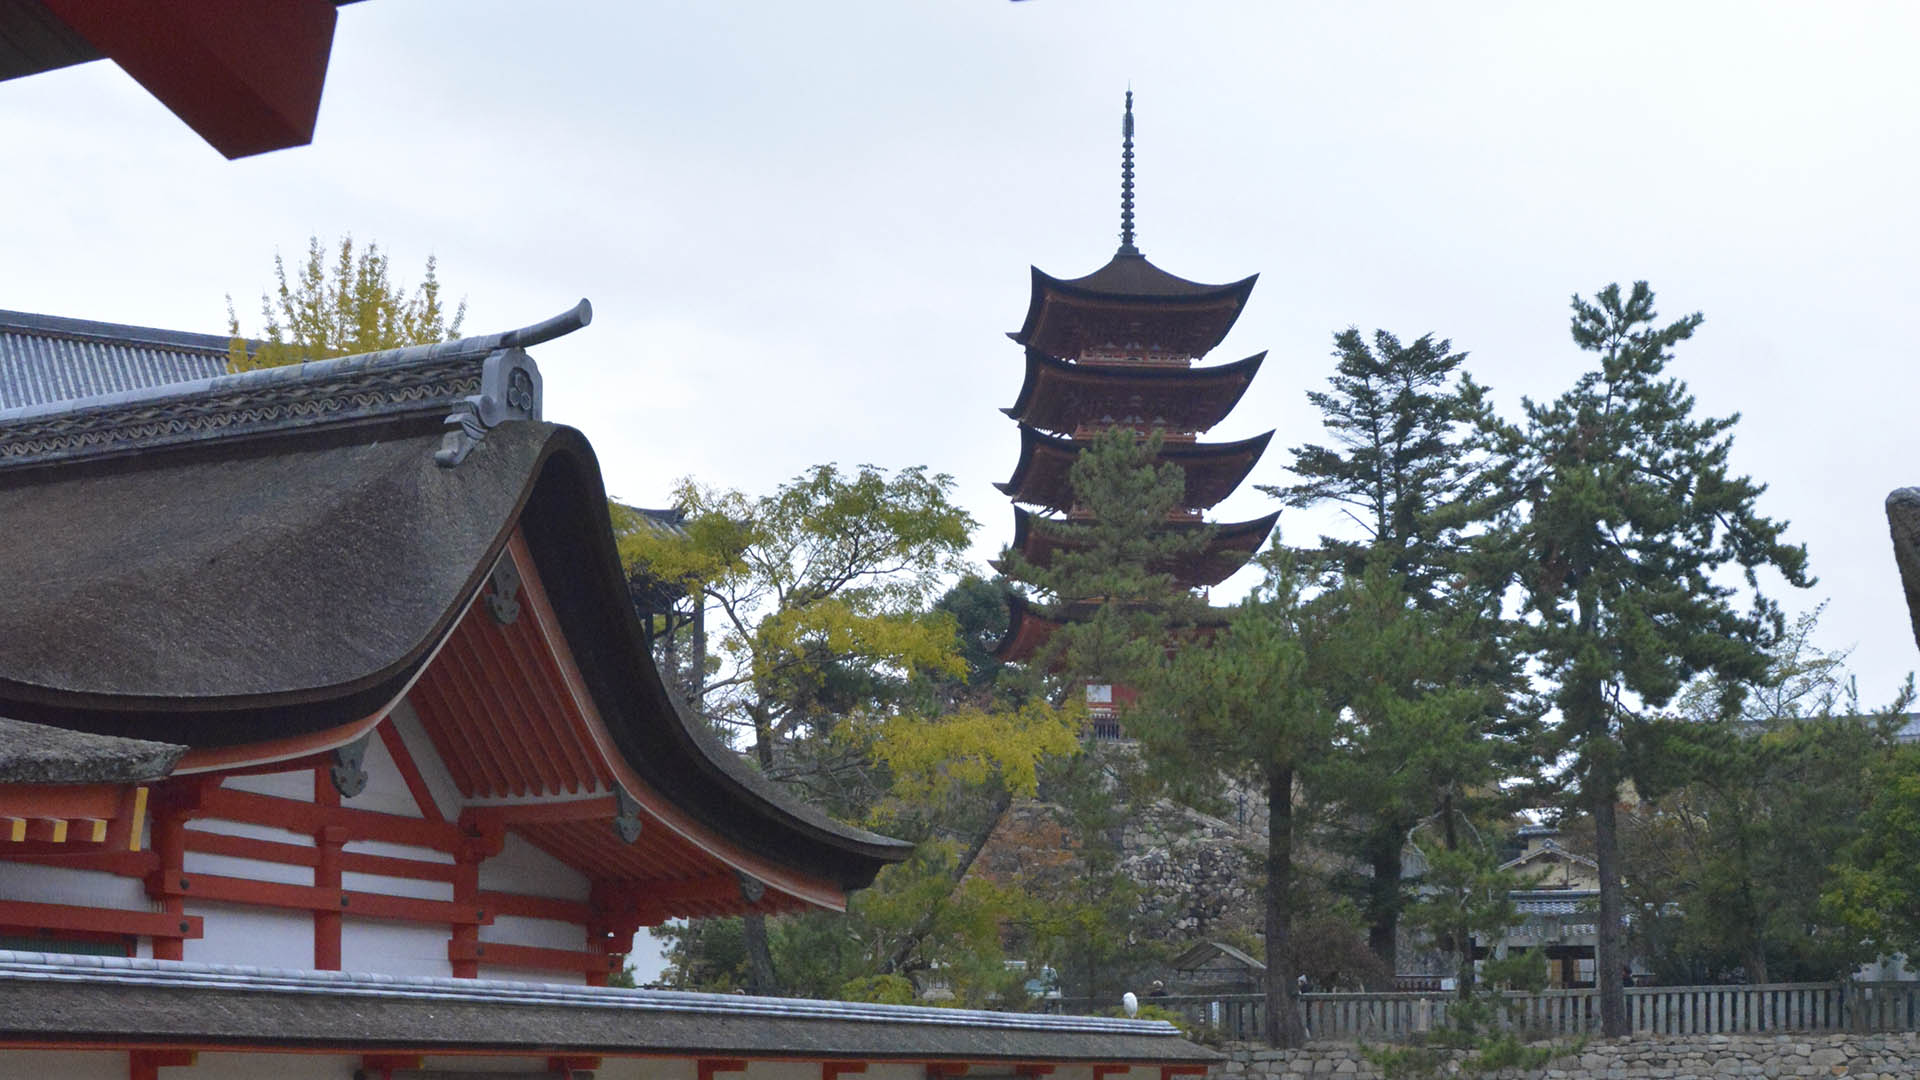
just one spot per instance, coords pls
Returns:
(520, 718)
(409, 769)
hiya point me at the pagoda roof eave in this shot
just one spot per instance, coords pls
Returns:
(1131, 279)
(1035, 444)
(1206, 569)
(1028, 628)
(1043, 369)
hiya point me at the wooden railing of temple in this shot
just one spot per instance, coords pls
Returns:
(1654, 1010)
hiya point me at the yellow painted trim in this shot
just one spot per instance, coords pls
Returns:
(16, 830)
(139, 822)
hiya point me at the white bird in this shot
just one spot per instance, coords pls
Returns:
(1130, 1003)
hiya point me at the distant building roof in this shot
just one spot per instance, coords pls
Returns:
(47, 358)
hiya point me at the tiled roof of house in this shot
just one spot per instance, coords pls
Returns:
(47, 358)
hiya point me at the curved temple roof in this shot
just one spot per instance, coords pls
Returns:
(1213, 469)
(230, 587)
(1228, 549)
(1061, 396)
(1129, 300)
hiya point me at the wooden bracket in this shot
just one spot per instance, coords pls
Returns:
(707, 1067)
(383, 1066)
(833, 1070)
(938, 1070)
(1101, 1072)
(566, 1066)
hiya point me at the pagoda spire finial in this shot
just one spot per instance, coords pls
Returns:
(1126, 179)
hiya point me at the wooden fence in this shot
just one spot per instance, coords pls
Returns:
(1653, 1010)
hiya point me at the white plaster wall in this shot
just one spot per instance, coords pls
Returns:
(545, 933)
(199, 862)
(522, 868)
(393, 948)
(61, 885)
(354, 881)
(286, 785)
(420, 747)
(264, 937)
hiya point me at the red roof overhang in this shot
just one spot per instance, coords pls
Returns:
(246, 75)
(510, 715)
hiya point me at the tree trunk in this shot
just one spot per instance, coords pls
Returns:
(760, 977)
(1282, 1007)
(697, 677)
(1383, 899)
(903, 952)
(1610, 958)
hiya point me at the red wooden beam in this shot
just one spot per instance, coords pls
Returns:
(538, 907)
(146, 1064)
(245, 75)
(1101, 1072)
(60, 800)
(529, 956)
(567, 1066)
(938, 1069)
(297, 815)
(182, 886)
(384, 1065)
(409, 771)
(833, 1070)
(707, 1067)
(1032, 1069)
(154, 924)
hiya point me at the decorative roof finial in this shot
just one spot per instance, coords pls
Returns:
(1126, 180)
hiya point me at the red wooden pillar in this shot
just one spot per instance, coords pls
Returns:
(146, 1064)
(326, 875)
(170, 845)
(465, 943)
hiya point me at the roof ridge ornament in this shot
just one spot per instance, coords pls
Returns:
(1126, 180)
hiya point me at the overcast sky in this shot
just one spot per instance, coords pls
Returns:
(805, 226)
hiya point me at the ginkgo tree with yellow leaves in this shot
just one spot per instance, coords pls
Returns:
(825, 650)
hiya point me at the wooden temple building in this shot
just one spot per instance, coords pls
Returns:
(1118, 348)
(331, 746)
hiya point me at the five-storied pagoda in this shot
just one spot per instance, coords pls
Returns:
(1116, 348)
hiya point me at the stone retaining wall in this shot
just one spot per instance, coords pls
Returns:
(1886, 1057)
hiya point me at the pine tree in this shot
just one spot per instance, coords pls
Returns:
(1426, 720)
(1619, 512)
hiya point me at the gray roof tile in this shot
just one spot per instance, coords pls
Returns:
(46, 358)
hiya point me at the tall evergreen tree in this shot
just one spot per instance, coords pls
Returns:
(1400, 468)
(1399, 463)
(1112, 580)
(1250, 705)
(1618, 512)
